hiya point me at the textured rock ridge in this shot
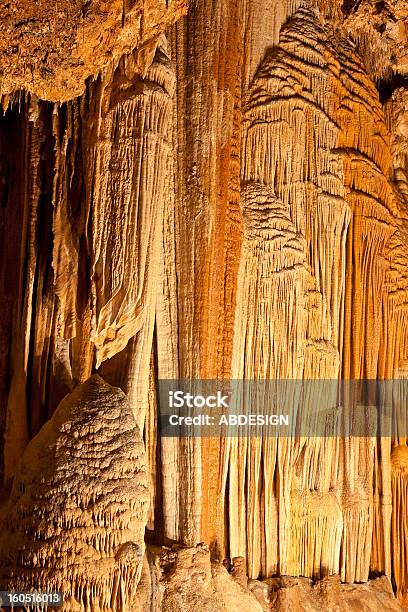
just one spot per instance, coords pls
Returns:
(178, 578)
(78, 507)
(305, 97)
(51, 53)
(97, 182)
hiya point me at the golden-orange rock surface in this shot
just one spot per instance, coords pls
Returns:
(50, 50)
(221, 194)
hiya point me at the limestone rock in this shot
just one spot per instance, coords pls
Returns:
(51, 51)
(228, 199)
(78, 507)
(301, 595)
(184, 579)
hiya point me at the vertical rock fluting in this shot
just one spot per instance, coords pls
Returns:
(399, 470)
(292, 101)
(226, 202)
(90, 247)
(27, 277)
(207, 52)
(316, 185)
(127, 138)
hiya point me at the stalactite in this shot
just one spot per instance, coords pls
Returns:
(207, 231)
(305, 190)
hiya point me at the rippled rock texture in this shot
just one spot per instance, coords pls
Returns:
(50, 50)
(77, 511)
(218, 192)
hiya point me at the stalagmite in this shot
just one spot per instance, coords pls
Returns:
(78, 507)
(399, 467)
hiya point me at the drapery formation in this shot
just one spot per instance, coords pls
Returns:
(232, 205)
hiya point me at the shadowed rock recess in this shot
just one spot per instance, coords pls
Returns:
(213, 189)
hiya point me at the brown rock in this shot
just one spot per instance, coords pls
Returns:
(76, 515)
(301, 595)
(50, 52)
(229, 200)
(184, 579)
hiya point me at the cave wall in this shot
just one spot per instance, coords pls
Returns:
(225, 200)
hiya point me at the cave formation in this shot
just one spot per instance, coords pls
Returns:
(200, 190)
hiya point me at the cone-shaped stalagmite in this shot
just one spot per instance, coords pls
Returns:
(77, 510)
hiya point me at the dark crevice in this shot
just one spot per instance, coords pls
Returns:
(350, 6)
(386, 87)
(379, 6)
